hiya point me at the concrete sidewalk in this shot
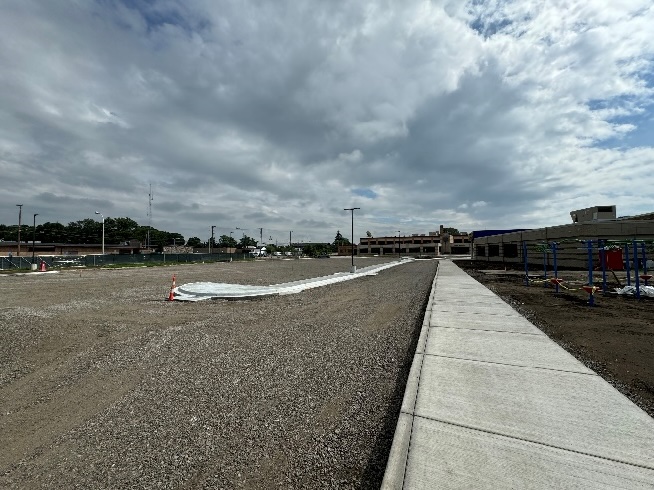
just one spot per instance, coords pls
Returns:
(492, 402)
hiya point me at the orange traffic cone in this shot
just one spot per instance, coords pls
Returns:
(171, 296)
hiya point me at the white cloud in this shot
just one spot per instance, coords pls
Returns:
(473, 115)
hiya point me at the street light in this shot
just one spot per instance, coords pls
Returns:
(398, 245)
(230, 245)
(20, 214)
(352, 244)
(102, 216)
(213, 227)
(34, 236)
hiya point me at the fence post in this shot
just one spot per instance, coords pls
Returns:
(628, 264)
(600, 246)
(636, 273)
(524, 258)
(589, 246)
(556, 269)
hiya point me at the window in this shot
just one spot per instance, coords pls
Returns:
(511, 250)
(493, 250)
(480, 251)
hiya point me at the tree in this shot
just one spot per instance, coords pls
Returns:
(368, 234)
(193, 242)
(227, 241)
(451, 231)
(52, 232)
(340, 240)
(316, 249)
(247, 241)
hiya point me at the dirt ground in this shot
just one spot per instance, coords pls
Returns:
(103, 384)
(615, 337)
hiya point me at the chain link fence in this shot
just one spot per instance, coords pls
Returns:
(109, 260)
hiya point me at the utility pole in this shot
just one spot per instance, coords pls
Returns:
(399, 247)
(102, 216)
(260, 237)
(34, 236)
(290, 240)
(213, 227)
(352, 244)
(20, 215)
(150, 199)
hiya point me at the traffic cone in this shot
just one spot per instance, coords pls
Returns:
(171, 296)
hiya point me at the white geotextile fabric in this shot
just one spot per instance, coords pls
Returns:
(631, 290)
(198, 291)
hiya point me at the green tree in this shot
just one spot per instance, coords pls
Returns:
(247, 241)
(227, 241)
(52, 233)
(316, 249)
(340, 240)
(118, 230)
(193, 242)
(368, 234)
(451, 231)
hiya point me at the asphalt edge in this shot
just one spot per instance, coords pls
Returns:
(399, 453)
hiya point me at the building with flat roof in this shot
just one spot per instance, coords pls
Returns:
(590, 224)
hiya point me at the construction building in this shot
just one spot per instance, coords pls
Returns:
(597, 225)
(430, 244)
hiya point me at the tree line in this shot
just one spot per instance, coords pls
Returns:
(116, 230)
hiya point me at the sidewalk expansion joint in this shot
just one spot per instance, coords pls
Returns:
(524, 439)
(510, 314)
(489, 330)
(542, 368)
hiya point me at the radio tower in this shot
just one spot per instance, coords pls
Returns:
(150, 199)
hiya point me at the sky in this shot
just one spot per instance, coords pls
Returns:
(279, 115)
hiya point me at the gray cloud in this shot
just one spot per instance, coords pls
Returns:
(474, 115)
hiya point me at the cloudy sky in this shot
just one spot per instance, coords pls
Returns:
(249, 114)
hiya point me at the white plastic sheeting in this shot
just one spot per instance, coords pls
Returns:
(631, 290)
(198, 291)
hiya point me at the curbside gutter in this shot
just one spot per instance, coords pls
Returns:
(399, 454)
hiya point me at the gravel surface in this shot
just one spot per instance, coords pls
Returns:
(103, 384)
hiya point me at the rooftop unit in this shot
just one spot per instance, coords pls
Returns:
(593, 214)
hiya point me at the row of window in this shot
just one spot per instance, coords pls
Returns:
(510, 250)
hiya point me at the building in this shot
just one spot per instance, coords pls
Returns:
(571, 240)
(416, 244)
(595, 213)
(456, 244)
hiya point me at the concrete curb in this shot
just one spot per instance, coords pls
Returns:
(397, 458)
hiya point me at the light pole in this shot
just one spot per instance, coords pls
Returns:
(398, 245)
(213, 227)
(102, 216)
(230, 245)
(290, 240)
(352, 244)
(20, 215)
(34, 236)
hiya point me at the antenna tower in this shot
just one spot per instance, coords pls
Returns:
(150, 199)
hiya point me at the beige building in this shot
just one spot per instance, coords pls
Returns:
(415, 244)
(571, 239)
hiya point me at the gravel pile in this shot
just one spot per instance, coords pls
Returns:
(105, 385)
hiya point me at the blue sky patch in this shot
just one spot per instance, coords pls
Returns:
(367, 193)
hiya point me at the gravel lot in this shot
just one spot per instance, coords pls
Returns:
(103, 384)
